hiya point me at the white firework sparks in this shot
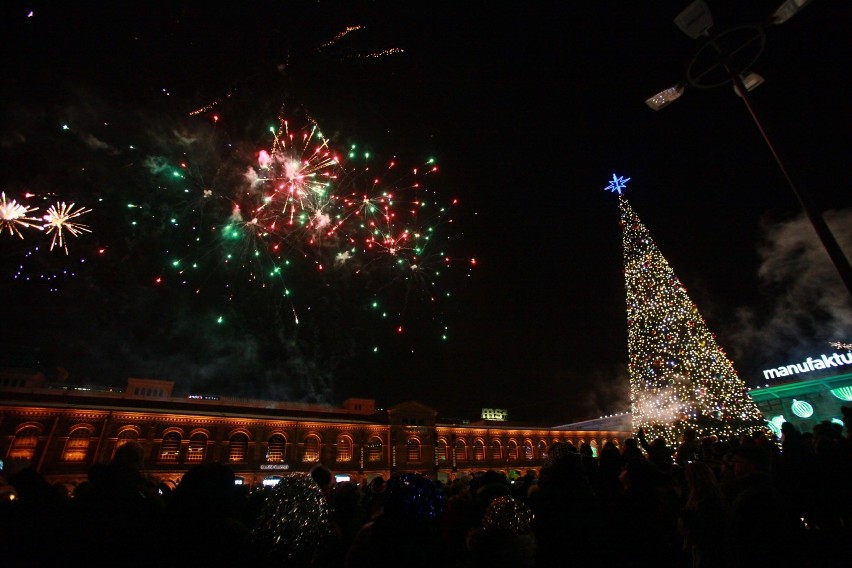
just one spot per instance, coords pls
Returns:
(58, 221)
(13, 216)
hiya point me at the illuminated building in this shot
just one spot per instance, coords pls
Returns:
(804, 403)
(65, 429)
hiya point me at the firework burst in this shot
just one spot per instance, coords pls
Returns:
(58, 221)
(13, 216)
(304, 220)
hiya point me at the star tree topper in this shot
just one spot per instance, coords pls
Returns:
(616, 184)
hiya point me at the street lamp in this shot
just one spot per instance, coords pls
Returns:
(726, 57)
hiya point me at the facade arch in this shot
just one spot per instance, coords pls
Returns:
(344, 449)
(24, 444)
(460, 449)
(238, 446)
(197, 448)
(496, 450)
(276, 448)
(240, 430)
(512, 450)
(541, 449)
(478, 450)
(173, 429)
(311, 448)
(375, 449)
(78, 442)
(170, 446)
(529, 451)
(413, 449)
(126, 435)
(441, 447)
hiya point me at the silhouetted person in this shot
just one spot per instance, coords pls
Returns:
(704, 518)
(205, 508)
(565, 504)
(348, 514)
(689, 448)
(647, 517)
(406, 533)
(34, 525)
(119, 509)
(753, 498)
(659, 453)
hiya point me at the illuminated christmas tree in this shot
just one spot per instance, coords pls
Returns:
(679, 376)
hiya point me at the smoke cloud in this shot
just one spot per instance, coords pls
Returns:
(806, 304)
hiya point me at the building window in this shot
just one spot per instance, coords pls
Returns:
(496, 450)
(77, 445)
(374, 450)
(512, 449)
(125, 436)
(197, 448)
(461, 450)
(24, 444)
(170, 447)
(237, 448)
(528, 450)
(312, 449)
(542, 450)
(413, 450)
(441, 451)
(275, 450)
(344, 449)
(478, 450)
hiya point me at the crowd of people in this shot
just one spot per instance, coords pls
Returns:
(739, 502)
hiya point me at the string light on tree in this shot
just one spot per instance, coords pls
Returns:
(679, 376)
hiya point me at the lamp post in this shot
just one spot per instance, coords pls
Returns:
(726, 57)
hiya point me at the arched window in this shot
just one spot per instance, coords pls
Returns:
(275, 449)
(528, 450)
(594, 445)
(374, 449)
(413, 450)
(197, 447)
(441, 450)
(125, 436)
(542, 449)
(512, 449)
(478, 450)
(460, 450)
(238, 447)
(496, 450)
(344, 449)
(24, 444)
(170, 447)
(77, 445)
(311, 452)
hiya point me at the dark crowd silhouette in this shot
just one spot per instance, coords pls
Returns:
(745, 501)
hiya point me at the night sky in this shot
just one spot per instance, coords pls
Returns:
(528, 109)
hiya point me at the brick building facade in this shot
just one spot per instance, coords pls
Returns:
(63, 430)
